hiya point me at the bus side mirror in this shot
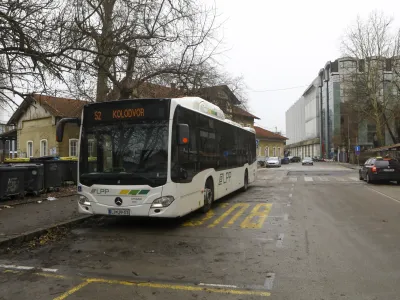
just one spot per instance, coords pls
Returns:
(183, 134)
(61, 125)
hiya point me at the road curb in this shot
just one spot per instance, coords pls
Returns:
(30, 235)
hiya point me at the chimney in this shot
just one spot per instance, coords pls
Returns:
(173, 85)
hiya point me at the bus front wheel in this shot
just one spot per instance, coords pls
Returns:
(208, 195)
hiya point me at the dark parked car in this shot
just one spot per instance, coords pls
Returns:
(380, 169)
(285, 161)
(295, 159)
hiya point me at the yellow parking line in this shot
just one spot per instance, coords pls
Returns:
(73, 290)
(262, 215)
(49, 275)
(228, 212)
(177, 287)
(181, 287)
(237, 215)
(11, 271)
(208, 216)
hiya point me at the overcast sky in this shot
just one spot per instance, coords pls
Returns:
(283, 44)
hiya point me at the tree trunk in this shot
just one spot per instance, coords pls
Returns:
(104, 62)
(394, 139)
(379, 132)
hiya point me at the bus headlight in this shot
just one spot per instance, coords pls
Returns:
(162, 202)
(83, 200)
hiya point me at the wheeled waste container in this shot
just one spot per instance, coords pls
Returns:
(11, 181)
(33, 178)
(52, 174)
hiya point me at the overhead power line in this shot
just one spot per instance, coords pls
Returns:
(275, 90)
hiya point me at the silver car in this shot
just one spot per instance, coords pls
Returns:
(272, 162)
(307, 161)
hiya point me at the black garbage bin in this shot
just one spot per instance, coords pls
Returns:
(52, 174)
(65, 170)
(74, 171)
(11, 181)
(33, 178)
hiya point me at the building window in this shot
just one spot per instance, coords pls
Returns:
(29, 148)
(274, 151)
(279, 151)
(266, 151)
(43, 147)
(73, 147)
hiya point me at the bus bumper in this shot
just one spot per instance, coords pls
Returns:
(144, 210)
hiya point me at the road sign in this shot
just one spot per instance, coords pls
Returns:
(357, 149)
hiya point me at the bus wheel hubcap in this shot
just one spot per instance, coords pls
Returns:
(207, 196)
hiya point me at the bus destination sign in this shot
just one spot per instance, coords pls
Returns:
(127, 111)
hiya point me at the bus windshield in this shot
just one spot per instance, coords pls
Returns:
(124, 152)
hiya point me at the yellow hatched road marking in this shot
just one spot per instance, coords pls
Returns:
(262, 215)
(208, 216)
(242, 206)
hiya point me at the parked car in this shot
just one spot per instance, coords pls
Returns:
(285, 161)
(272, 162)
(380, 169)
(295, 159)
(307, 161)
(317, 159)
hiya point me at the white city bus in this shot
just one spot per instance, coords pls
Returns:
(159, 157)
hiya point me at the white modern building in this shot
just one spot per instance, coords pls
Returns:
(318, 124)
(303, 123)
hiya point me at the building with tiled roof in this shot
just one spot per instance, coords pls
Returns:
(35, 125)
(269, 143)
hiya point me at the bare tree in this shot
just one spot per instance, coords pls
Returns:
(372, 47)
(33, 49)
(124, 43)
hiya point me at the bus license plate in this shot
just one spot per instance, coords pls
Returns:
(388, 170)
(119, 212)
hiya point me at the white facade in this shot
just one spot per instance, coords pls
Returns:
(303, 123)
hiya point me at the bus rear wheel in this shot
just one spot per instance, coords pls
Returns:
(208, 195)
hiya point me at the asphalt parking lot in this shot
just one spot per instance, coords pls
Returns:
(299, 232)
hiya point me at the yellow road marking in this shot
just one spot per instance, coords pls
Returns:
(51, 275)
(237, 215)
(208, 216)
(262, 215)
(228, 212)
(181, 287)
(11, 271)
(73, 290)
(176, 287)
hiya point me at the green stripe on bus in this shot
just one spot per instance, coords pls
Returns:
(133, 192)
(144, 192)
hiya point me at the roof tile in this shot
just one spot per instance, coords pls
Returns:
(263, 133)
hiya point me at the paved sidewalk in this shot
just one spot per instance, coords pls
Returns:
(26, 218)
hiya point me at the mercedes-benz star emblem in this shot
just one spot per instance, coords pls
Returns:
(118, 201)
